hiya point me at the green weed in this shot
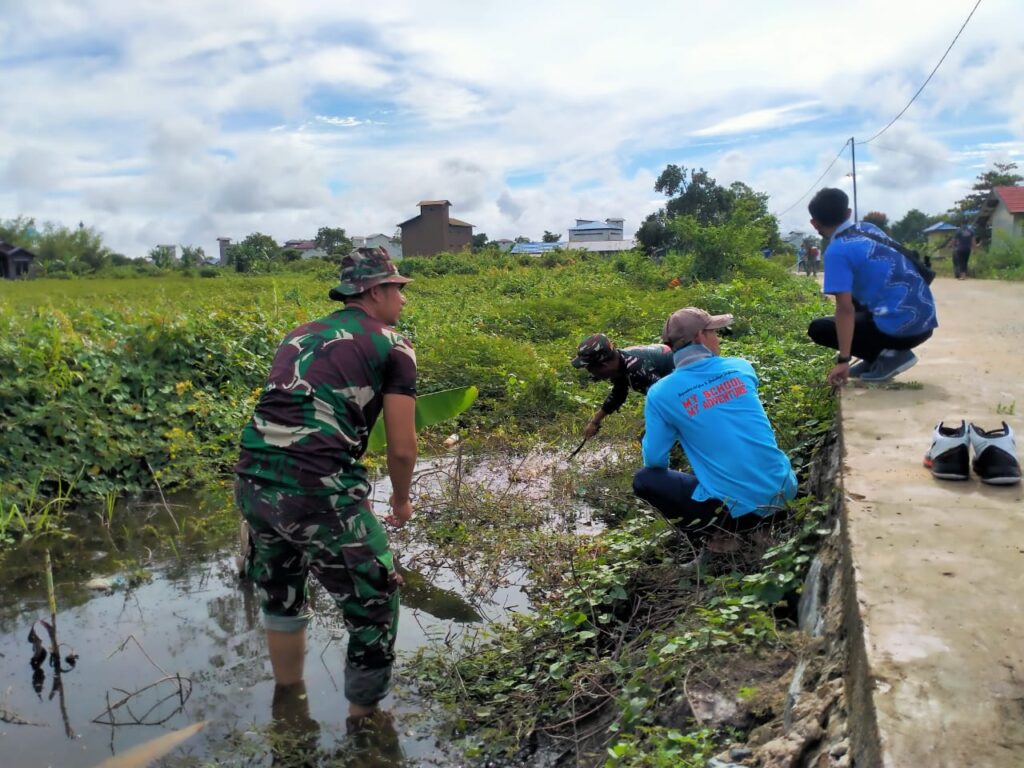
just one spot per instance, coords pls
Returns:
(112, 377)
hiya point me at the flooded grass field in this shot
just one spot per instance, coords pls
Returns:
(157, 632)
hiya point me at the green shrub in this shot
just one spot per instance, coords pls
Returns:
(105, 379)
(1004, 255)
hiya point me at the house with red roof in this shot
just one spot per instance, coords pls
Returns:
(1003, 211)
(307, 249)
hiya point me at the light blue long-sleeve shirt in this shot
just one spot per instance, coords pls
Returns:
(710, 405)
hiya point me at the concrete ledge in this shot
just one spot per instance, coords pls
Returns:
(934, 571)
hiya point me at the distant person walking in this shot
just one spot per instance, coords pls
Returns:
(884, 307)
(811, 261)
(963, 241)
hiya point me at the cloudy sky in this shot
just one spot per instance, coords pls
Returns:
(178, 122)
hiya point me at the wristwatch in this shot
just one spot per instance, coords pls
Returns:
(840, 359)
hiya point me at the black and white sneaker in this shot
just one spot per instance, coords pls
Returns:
(949, 457)
(995, 455)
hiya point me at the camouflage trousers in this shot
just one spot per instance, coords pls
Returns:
(345, 547)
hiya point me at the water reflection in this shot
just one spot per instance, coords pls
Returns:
(372, 742)
(444, 604)
(178, 610)
(294, 736)
(194, 618)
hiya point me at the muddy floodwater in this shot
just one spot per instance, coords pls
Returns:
(167, 636)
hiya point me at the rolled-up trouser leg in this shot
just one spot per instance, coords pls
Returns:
(360, 576)
(277, 566)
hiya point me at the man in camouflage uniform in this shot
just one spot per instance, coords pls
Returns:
(303, 490)
(634, 368)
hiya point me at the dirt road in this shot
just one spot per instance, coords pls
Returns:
(939, 566)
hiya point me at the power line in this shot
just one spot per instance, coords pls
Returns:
(811, 188)
(936, 69)
(850, 142)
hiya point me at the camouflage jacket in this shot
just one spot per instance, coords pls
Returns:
(643, 366)
(325, 391)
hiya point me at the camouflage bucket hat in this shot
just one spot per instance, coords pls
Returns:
(593, 350)
(364, 268)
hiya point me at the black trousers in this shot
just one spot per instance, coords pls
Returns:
(960, 263)
(671, 493)
(868, 341)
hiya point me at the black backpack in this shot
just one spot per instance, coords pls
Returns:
(922, 265)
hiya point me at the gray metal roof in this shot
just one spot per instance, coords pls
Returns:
(939, 226)
(595, 225)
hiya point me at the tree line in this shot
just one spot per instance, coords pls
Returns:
(63, 251)
(910, 228)
(717, 224)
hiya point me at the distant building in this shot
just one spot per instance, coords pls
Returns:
(434, 231)
(939, 237)
(1003, 211)
(603, 246)
(307, 248)
(588, 231)
(795, 238)
(504, 244)
(535, 249)
(599, 236)
(588, 235)
(223, 243)
(15, 262)
(393, 245)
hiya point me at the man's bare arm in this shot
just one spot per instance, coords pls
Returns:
(845, 317)
(400, 427)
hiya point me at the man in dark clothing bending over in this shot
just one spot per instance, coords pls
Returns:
(635, 368)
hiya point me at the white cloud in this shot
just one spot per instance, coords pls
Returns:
(905, 158)
(342, 122)
(734, 165)
(182, 122)
(32, 169)
(748, 122)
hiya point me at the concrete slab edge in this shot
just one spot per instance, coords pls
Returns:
(865, 740)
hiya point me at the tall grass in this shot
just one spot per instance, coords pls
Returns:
(117, 385)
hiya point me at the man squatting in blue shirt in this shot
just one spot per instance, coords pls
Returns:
(710, 405)
(884, 307)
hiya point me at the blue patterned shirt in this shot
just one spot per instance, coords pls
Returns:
(881, 279)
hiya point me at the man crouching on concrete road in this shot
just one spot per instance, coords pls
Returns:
(884, 307)
(303, 489)
(710, 405)
(635, 368)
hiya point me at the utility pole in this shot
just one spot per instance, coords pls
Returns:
(853, 159)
